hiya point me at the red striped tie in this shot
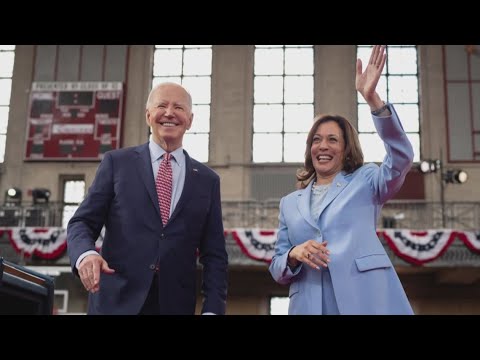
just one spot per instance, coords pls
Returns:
(163, 184)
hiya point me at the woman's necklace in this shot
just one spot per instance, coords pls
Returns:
(319, 189)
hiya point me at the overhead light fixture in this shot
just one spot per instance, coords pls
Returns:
(429, 166)
(452, 176)
(13, 196)
(455, 177)
(40, 195)
(449, 177)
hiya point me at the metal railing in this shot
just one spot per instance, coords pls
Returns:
(264, 214)
(395, 214)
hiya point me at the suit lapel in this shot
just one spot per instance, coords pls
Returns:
(303, 200)
(338, 184)
(303, 204)
(144, 167)
(190, 182)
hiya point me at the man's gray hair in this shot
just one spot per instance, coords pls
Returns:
(156, 87)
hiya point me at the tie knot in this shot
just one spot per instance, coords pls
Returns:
(167, 156)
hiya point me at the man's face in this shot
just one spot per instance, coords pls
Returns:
(169, 115)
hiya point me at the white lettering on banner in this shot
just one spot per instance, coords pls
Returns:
(109, 95)
(77, 86)
(72, 129)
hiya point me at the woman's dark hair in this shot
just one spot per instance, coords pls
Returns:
(353, 155)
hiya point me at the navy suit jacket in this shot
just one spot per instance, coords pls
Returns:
(123, 198)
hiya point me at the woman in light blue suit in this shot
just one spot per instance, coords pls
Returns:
(327, 248)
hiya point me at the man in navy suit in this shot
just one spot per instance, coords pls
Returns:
(147, 265)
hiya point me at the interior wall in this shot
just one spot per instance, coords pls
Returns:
(230, 152)
(232, 107)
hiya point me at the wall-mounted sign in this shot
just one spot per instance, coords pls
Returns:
(73, 120)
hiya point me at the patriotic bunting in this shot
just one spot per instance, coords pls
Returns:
(45, 243)
(414, 246)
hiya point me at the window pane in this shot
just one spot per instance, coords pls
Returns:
(408, 114)
(381, 89)
(415, 140)
(74, 191)
(197, 146)
(5, 89)
(199, 88)
(363, 53)
(267, 118)
(402, 92)
(190, 66)
(7, 56)
(268, 46)
(6, 63)
(197, 62)
(197, 46)
(267, 148)
(201, 118)
(298, 118)
(372, 147)
(68, 212)
(403, 89)
(162, 79)
(295, 147)
(167, 62)
(365, 121)
(268, 89)
(168, 46)
(283, 103)
(3, 119)
(3, 138)
(299, 61)
(268, 62)
(402, 60)
(299, 89)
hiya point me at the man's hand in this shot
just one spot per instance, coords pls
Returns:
(89, 271)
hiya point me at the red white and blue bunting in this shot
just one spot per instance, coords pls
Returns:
(48, 243)
(414, 246)
(258, 244)
(44, 243)
(418, 247)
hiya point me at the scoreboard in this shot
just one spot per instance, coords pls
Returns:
(73, 120)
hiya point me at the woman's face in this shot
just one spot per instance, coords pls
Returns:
(328, 148)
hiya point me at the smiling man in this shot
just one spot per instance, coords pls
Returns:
(161, 209)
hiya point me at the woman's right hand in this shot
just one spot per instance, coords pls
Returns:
(366, 81)
(311, 253)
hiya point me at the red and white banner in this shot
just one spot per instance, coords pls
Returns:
(45, 243)
(259, 244)
(470, 238)
(418, 247)
(414, 246)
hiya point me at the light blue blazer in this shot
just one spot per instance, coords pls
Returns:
(363, 277)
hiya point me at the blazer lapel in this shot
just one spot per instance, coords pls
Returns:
(338, 184)
(144, 167)
(190, 174)
(303, 204)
